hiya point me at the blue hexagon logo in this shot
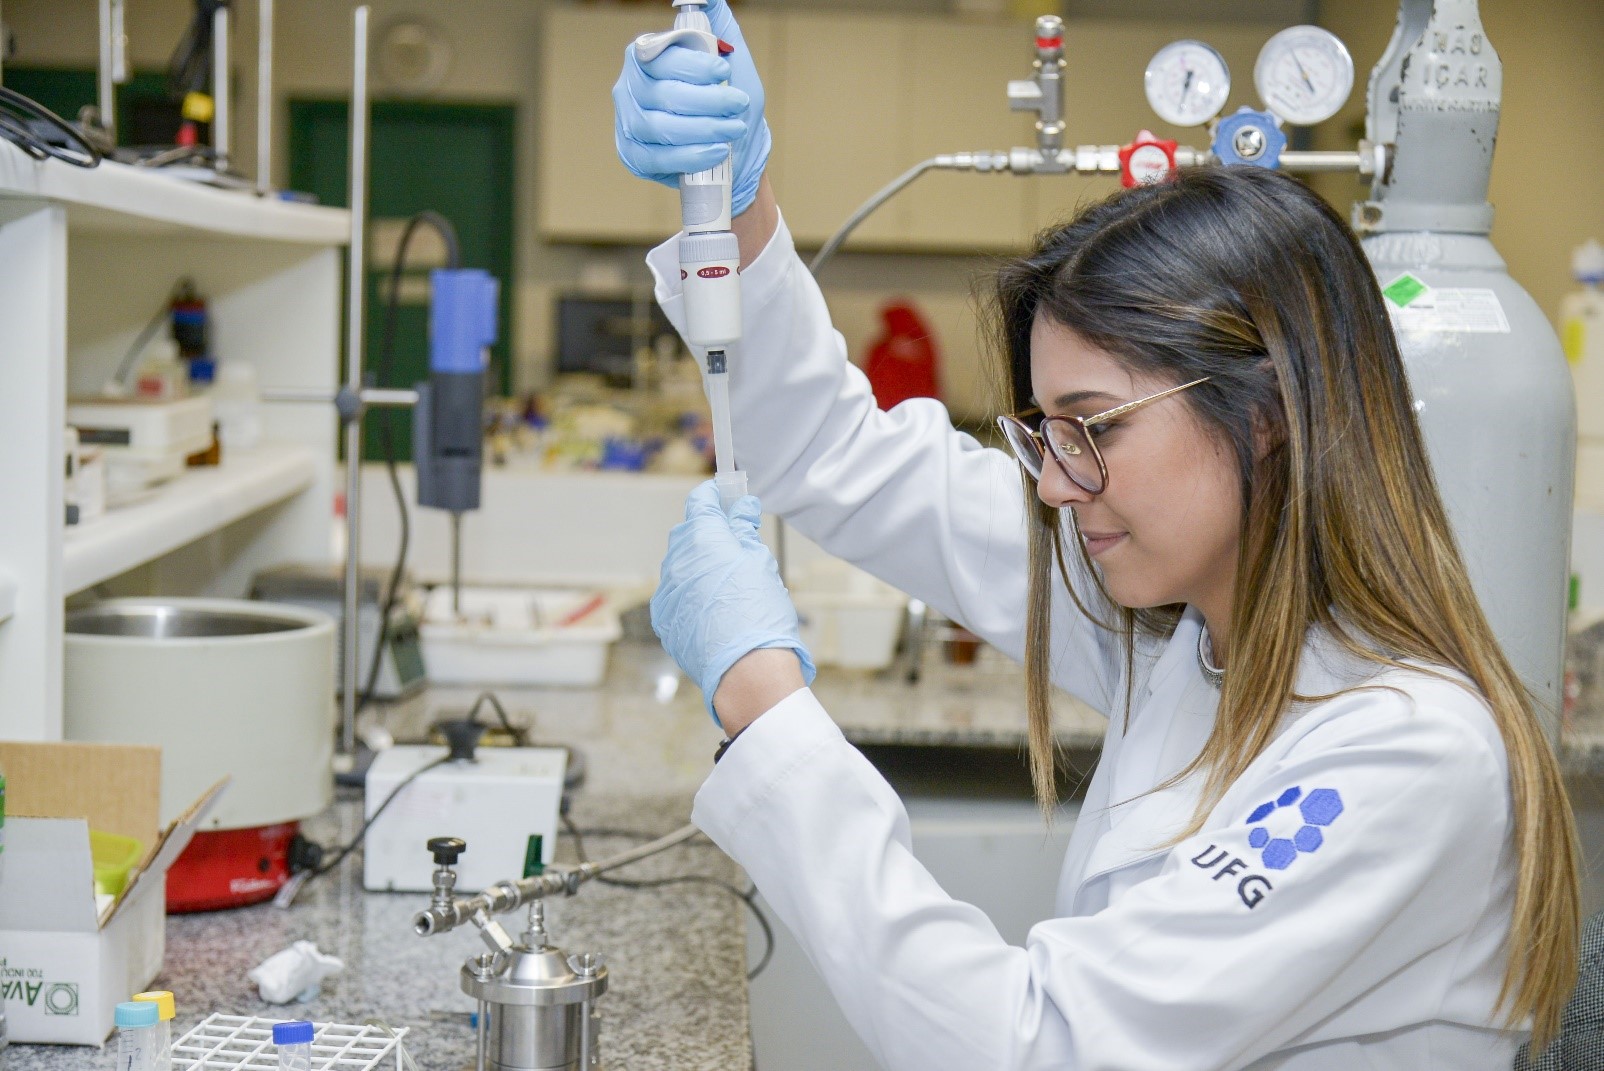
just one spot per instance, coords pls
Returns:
(1282, 832)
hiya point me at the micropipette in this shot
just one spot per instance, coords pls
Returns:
(709, 257)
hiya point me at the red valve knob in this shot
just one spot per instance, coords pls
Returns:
(1146, 160)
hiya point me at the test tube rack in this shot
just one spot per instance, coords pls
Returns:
(245, 1043)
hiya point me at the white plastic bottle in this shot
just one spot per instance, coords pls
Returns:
(165, 1010)
(237, 403)
(1581, 330)
(137, 1044)
(294, 1043)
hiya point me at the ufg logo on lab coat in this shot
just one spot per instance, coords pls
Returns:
(1286, 827)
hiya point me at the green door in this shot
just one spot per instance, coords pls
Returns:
(65, 90)
(456, 159)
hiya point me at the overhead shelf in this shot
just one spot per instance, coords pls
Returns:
(118, 199)
(197, 503)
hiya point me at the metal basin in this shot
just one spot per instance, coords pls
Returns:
(225, 687)
(168, 622)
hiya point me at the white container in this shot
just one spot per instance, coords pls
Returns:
(144, 427)
(495, 803)
(848, 618)
(517, 636)
(237, 402)
(226, 688)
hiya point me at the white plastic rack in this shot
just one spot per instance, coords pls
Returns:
(245, 1043)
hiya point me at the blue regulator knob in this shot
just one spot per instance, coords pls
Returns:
(1249, 137)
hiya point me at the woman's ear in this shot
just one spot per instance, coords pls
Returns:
(1269, 421)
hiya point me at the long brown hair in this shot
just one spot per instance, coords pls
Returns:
(1245, 276)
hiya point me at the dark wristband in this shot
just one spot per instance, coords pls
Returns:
(724, 745)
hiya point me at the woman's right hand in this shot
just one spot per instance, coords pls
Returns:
(674, 115)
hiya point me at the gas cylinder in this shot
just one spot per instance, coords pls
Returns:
(1494, 400)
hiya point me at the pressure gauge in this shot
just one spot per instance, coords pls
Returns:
(1187, 83)
(1304, 74)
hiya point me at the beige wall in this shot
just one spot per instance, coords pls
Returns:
(1553, 52)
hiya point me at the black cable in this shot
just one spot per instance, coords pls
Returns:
(520, 737)
(448, 235)
(36, 130)
(149, 332)
(190, 68)
(749, 897)
(339, 857)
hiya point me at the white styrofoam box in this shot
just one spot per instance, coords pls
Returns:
(516, 636)
(848, 618)
(143, 426)
(534, 528)
(495, 804)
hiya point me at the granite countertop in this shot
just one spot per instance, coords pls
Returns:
(676, 955)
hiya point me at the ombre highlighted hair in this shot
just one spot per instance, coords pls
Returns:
(1245, 276)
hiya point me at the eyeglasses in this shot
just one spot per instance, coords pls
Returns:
(1069, 440)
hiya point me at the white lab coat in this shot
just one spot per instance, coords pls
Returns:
(1373, 940)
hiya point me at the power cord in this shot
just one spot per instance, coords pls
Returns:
(308, 856)
(43, 134)
(520, 736)
(381, 374)
(190, 68)
(184, 286)
(748, 897)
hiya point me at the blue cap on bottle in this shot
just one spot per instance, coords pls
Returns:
(136, 1013)
(292, 1033)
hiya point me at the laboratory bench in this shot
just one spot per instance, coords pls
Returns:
(677, 954)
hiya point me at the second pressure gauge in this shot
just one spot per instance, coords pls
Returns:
(1304, 75)
(1187, 83)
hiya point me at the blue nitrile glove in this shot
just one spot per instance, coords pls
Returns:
(671, 115)
(720, 595)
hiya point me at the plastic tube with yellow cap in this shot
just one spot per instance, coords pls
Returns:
(165, 1009)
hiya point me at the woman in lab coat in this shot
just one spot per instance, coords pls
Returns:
(1326, 830)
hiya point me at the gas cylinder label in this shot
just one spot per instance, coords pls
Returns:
(1470, 309)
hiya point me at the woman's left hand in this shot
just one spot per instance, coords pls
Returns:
(720, 595)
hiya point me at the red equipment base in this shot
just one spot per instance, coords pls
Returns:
(224, 868)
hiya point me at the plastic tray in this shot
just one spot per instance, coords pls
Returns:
(518, 636)
(848, 618)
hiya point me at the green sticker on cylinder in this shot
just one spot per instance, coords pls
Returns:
(1404, 289)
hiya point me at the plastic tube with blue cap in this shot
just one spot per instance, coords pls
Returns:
(293, 1040)
(137, 1041)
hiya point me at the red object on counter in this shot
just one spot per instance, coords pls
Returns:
(903, 362)
(225, 868)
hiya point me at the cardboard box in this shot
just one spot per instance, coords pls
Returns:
(64, 965)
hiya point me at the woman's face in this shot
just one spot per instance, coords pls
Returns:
(1166, 527)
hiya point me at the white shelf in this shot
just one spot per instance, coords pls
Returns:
(8, 597)
(118, 199)
(195, 504)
